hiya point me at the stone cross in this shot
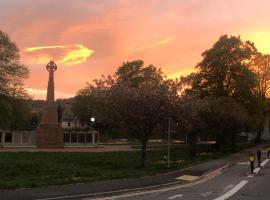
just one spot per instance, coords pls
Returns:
(51, 67)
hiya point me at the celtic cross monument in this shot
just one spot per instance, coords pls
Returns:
(49, 132)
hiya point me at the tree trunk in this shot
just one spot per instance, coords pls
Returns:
(143, 154)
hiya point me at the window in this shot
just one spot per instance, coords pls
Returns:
(8, 137)
(66, 138)
(89, 138)
(0, 137)
(81, 138)
(68, 124)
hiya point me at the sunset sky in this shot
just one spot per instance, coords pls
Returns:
(88, 38)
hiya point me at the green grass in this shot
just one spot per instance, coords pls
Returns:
(33, 169)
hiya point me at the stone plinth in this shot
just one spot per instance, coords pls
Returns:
(50, 136)
(49, 132)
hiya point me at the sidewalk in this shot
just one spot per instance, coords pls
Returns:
(117, 186)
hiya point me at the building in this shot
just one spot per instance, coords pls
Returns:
(68, 119)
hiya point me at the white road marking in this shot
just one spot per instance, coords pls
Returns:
(176, 196)
(232, 191)
(264, 162)
(257, 169)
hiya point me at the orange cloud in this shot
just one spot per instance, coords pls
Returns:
(30, 49)
(64, 54)
(153, 45)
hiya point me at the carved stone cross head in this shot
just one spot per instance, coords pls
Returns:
(51, 66)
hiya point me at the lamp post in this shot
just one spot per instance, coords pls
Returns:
(169, 143)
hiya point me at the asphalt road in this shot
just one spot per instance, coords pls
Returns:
(234, 183)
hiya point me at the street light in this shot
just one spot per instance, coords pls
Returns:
(169, 143)
(92, 119)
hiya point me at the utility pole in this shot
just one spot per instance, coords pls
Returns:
(169, 143)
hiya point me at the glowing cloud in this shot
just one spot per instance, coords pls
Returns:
(43, 47)
(77, 56)
(65, 54)
(153, 45)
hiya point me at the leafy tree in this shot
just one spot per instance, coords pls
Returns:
(224, 117)
(21, 114)
(135, 98)
(12, 72)
(141, 98)
(261, 66)
(188, 117)
(225, 71)
(13, 107)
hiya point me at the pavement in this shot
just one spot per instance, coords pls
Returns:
(193, 175)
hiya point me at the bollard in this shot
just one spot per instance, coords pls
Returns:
(251, 160)
(259, 153)
(268, 152)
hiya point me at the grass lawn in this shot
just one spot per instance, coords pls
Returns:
(33, 169)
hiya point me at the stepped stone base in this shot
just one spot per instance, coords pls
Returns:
(50, 136)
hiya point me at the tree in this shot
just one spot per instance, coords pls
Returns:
(224, 117)
(141, 97)
(94, 100)
(13, 107)
(12, 72)
(225, 71)
(135, 99)
(21, 114)
(261, 66)
(188, 117)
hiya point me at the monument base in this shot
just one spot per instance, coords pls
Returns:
(50, 136)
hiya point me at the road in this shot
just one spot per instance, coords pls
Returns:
(234, 183)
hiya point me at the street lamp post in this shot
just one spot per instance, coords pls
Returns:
(169, 143)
